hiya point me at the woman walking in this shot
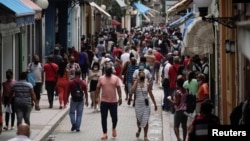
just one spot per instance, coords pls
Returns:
(6, 97)
(142, 104)
(63, 83)
(94, 74)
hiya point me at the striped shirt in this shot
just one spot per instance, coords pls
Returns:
(22, 93)
(131, 70)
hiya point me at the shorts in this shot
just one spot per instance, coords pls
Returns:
(180, 118)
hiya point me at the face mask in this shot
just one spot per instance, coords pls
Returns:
(95, 68)
(202, 62)
(142, 78)
(36, 62)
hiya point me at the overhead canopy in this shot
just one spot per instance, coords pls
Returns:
(115, 22)
(35, 7)
(93, 4)
(121, 3)
(179, 6)
(22, 13)
(142, 8)
(181, 20)
(199, 38)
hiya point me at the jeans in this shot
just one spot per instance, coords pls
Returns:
(50, 87)
(37, 90)
(75, 113)
(166, 102)
(8, 115)
(112, 107)
(23, 112)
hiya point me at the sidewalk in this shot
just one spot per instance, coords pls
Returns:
(42, 122)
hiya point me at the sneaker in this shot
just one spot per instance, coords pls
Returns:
(5, 128)
(77, 130)
(73, 127)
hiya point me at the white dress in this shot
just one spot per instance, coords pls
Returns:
(141, 110)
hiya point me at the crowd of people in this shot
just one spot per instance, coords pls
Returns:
(138, 59)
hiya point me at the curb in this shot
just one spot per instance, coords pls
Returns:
(45, 132)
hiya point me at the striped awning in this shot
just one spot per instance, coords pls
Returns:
(35, 7)
(22, 13)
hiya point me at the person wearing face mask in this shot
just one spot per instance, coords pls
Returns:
(72, 67)
(36, 67)
(110, 86)
(131, 67)
(142, 88)
(6, 97)
(94, 74)
(203, 90)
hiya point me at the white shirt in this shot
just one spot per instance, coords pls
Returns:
(36, 70)
(166, 69)
(20, 138)
(147, 73)
(125, 57)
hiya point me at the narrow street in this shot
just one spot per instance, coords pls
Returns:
(91, 129)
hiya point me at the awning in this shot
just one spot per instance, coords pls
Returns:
(181, 20)
(142, 8)
(93, 4)
(115, 22)
(121, 3)
(181, 5)
(186, 25)
(23, 14)
(199, 38)
(35, 7)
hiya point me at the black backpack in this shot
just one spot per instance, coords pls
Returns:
(190, 102)
(77, 92)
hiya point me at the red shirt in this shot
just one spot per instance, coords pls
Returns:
(77, 80)
(158, 56)
(116, 51)
(50, 70)
(172, 74)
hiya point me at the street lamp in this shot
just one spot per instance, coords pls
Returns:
(226, 21)
(42, 3)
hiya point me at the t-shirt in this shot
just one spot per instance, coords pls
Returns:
(192, 86)
(50, 70)
(36, 70)
(108, 87)
(203, 91)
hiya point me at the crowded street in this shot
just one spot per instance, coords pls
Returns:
(55, 123)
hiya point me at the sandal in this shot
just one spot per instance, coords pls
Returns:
(104, 136)
(5, 128)
(114, 134)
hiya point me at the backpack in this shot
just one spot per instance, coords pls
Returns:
(77, 92)
(190, 102)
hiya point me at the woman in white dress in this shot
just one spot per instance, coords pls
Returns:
(142, 108)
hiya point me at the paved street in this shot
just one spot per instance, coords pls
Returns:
(55, 122)
(91, 124)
